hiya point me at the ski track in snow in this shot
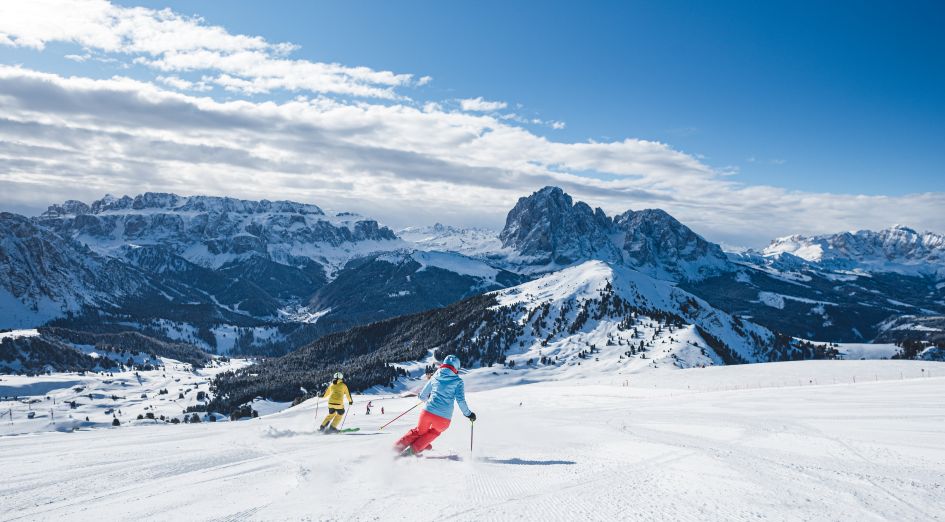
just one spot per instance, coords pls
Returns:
(580, 449)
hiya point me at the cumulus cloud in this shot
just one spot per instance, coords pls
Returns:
(480, 105)
(184, 85)
(169, 42)
(402, 161)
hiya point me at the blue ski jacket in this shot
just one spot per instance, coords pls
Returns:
(441, 390)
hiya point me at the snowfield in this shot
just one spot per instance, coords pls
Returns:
(783, 441)
(102, 397)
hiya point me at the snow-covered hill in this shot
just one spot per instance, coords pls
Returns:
(785, 441)
(67, 401)
(600, 305)
(594, 315)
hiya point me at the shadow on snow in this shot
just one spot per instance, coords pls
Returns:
(527, 462)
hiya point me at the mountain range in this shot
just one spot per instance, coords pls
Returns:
(270, 277)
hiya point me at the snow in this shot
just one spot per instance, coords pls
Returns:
(267, 407)
(449, 261)
(776, 300)
(303, 314)
(868, 351)
(474, 242)
(916, 327)
(15, 313)
(225, 336)
(795, 245)
(333, 258)
(896, 249)
(565, 290)
(136, 393)
(455, 263)
(898, 303)
(16, 334)
(774, 441)
(772, 299)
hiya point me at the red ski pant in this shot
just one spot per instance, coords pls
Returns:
(429, 427)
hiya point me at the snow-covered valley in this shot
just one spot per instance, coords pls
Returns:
(65, 402)
(837, 440)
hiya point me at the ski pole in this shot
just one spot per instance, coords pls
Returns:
(317, 399)
(472, 426)
(399, 416)
(345, 418)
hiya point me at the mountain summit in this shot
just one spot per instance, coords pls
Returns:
(897, 249)
(549, 230)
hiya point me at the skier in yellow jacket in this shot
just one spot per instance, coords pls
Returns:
(336, 394)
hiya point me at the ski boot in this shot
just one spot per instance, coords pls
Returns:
(330, 430)
(322, 427)
(408, 452)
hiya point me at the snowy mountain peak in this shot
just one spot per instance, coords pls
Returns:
(668, 249)
(549, 230)
(905, 229)
(212, 231)
(897, 249)
(548, 227)
(167, 202)
(601, 304)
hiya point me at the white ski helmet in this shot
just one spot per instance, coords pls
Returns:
(453, 361)
(338, 375)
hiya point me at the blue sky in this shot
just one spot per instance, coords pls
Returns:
(823, 96)
(744, 119)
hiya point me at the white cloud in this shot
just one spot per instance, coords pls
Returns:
(170, 42)
(480, 105)
(76, 137)
(184, 85)
(402, 161)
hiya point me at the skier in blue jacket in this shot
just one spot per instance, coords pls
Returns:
(440, 392)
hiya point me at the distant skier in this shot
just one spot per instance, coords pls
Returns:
(439, 393)
(336, 393)
(369, 404)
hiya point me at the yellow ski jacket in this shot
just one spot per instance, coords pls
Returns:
(336, 394)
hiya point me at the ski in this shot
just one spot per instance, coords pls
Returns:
(455, 458)
(346, 430)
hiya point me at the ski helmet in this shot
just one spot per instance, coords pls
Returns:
(338, 375)
(453, 361)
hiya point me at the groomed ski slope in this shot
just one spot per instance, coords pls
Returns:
(663, 446)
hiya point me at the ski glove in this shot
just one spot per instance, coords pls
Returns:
(471, 417)
(350, 403)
